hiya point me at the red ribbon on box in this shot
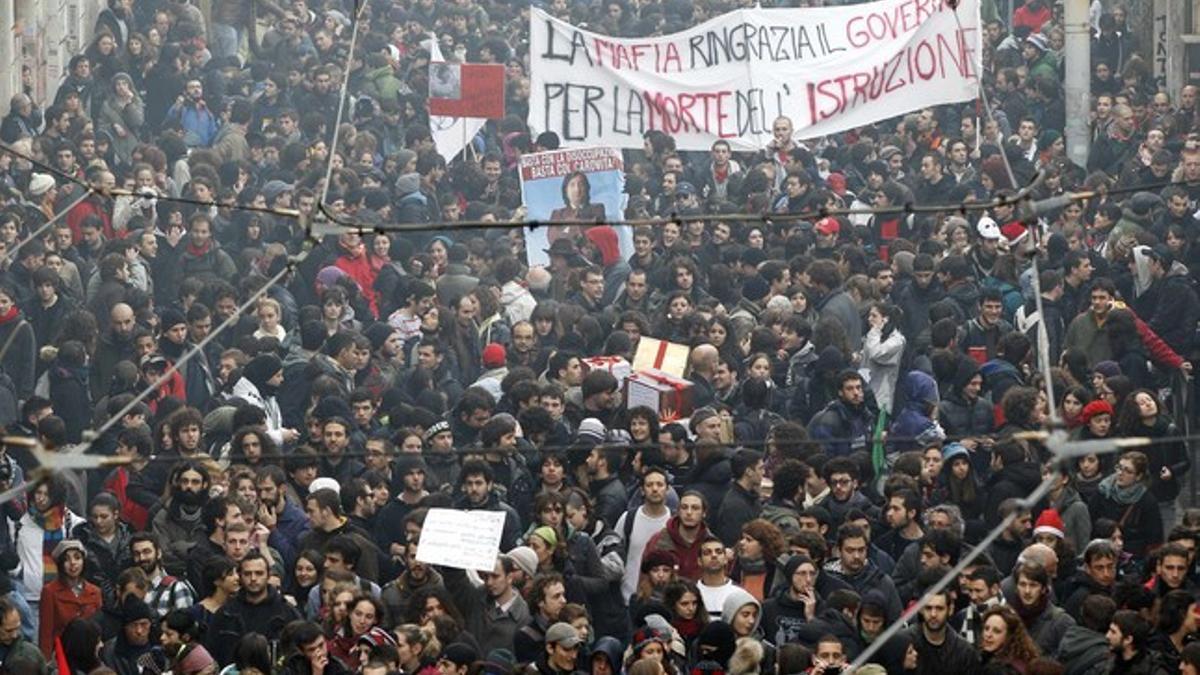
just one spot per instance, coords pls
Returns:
(675, 383)
(597, 360)
(662, 353)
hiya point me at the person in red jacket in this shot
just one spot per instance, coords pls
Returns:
(355, 263)
(683, 535)
(69, 596)
(1034, 14)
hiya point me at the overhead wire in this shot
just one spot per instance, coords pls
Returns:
(909, 208)
(631, 448)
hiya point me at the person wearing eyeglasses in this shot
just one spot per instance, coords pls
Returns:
(1124, 497)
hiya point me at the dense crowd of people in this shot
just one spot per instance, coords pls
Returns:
(863, 398)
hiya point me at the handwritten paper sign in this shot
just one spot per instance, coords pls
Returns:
(468, 540)
(828, 69)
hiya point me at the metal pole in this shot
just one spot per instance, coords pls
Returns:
(1077, 61)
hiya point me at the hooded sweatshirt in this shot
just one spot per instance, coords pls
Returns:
(737, 599)
(783, 614)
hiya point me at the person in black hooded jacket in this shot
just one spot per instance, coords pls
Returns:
(133, 652)
(794, 605)
(1014, 477)
(836, 619)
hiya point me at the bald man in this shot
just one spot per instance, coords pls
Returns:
(704, 361)
(115, 345)
(1036, 553)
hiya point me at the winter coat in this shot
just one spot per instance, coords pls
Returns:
(1013, 481)
(72, 398)
(1076, 519)
(837, 304)
(882, 360)
(687, 555)
(198, 122)
(130, 116)
(998, 377)
(382, 85)
(781, 515)
(512, 521)
(105, 560)
(857, 502)
(19, 361)
(739, 507)
(1077, 589)
(1174, 318)
(231, 145)
(837, 420)
(28, 538)
(1050, 627)
(711, 479)
(1171, 455)
(915, 302)
(177, 537)
(963, 419)
(210, 264)
(954, 655)
(831, 622)
(782, 617)
(238, 616)
(495, 628)
(246, 391)
(1140, 522)
(610, 498)
(871, 578)
(1027, 320)
(975, 337)
(913, 428)
(59, 605)
(1083, 651)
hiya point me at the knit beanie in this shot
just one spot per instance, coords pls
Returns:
(1050, 523)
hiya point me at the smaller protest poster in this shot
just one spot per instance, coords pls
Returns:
(467, 540)
(473, 90)
(586, 185)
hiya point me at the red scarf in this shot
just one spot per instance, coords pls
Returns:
(198, 251)
(11, 314)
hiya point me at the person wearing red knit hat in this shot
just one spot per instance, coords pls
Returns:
(495, 369)
(1095, 420)
(1049, 529)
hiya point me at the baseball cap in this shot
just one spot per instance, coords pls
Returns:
(563, 634)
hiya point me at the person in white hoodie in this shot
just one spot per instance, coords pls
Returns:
(257, 386)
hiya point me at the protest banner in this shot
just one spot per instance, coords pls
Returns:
(468, 540)
(585, 185)
(466, 90)
(828, 69)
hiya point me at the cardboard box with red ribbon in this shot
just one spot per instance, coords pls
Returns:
(665, 394)
(616, 365)
(668, 357)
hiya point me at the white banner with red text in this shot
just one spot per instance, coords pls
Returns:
(828, 69)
